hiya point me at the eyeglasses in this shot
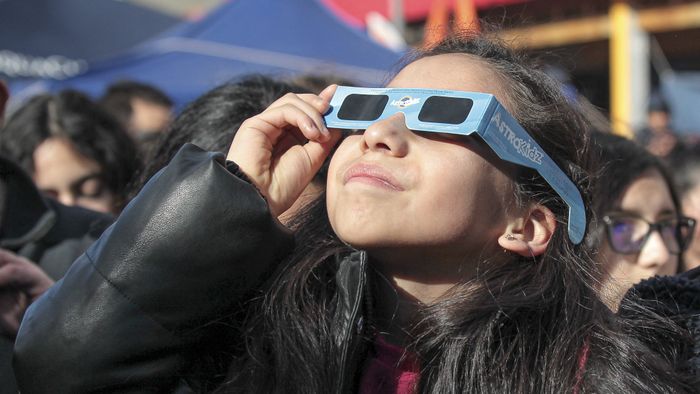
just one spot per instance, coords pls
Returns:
(628, 233)
(460, 113)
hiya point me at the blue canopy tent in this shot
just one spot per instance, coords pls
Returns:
(54, 38)
(279, 37)
(682, 92)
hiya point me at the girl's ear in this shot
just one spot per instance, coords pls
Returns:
(529, 234)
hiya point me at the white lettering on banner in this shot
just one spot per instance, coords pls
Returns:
(56, 67)
(521, 146)
(405, 101)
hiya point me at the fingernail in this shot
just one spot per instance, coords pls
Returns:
(311, 126)
(327, 90)
(323, 134)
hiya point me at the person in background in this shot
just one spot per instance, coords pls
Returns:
(640, 230)
(143, 110)
(684, 161)
(74, 151)
(39, 239)
(647, 290)
(658, 136)
(640, 233)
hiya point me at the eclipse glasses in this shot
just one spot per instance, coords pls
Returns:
(459, 113)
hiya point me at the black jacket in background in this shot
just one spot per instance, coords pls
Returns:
(44, 231)
(676, 297)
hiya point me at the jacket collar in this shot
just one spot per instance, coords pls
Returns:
(25, 215)
(349, 325)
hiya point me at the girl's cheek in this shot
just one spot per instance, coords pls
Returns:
(347, 149)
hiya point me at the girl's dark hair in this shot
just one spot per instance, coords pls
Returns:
(685, 161)
(117, 99)
(73, 116)
(532, 324)
(211, 121)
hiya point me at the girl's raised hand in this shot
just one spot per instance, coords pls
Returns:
(281, 149)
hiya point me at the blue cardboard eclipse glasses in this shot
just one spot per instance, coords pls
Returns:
(461, 113)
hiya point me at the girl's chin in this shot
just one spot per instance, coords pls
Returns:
(375, 247)
(362, 242)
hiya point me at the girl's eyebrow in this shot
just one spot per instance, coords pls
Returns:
(668, 211)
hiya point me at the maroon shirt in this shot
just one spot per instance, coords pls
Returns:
(389, 370)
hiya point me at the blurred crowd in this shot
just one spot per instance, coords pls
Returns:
(69, 164)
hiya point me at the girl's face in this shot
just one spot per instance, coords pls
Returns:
(407, 195)
(648, 198)
(63, 173)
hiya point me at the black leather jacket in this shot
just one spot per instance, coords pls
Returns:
(136, 311)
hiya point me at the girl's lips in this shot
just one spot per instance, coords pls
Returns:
(373, 175)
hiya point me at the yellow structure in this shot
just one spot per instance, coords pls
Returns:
(622, 25)
(627, 30)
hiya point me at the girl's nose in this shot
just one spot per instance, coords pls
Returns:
(389, 136)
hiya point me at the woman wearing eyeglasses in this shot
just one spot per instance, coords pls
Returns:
(641, 231)
(444, 256)
(640, 237)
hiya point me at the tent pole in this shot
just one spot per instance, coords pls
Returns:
(659, 59)
(629, 70)
(397, 16)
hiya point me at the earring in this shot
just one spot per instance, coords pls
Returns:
(510, 237)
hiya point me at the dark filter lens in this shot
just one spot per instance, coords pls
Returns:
(362, 107)
(449, 110)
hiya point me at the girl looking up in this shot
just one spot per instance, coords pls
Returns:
(430, 264)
